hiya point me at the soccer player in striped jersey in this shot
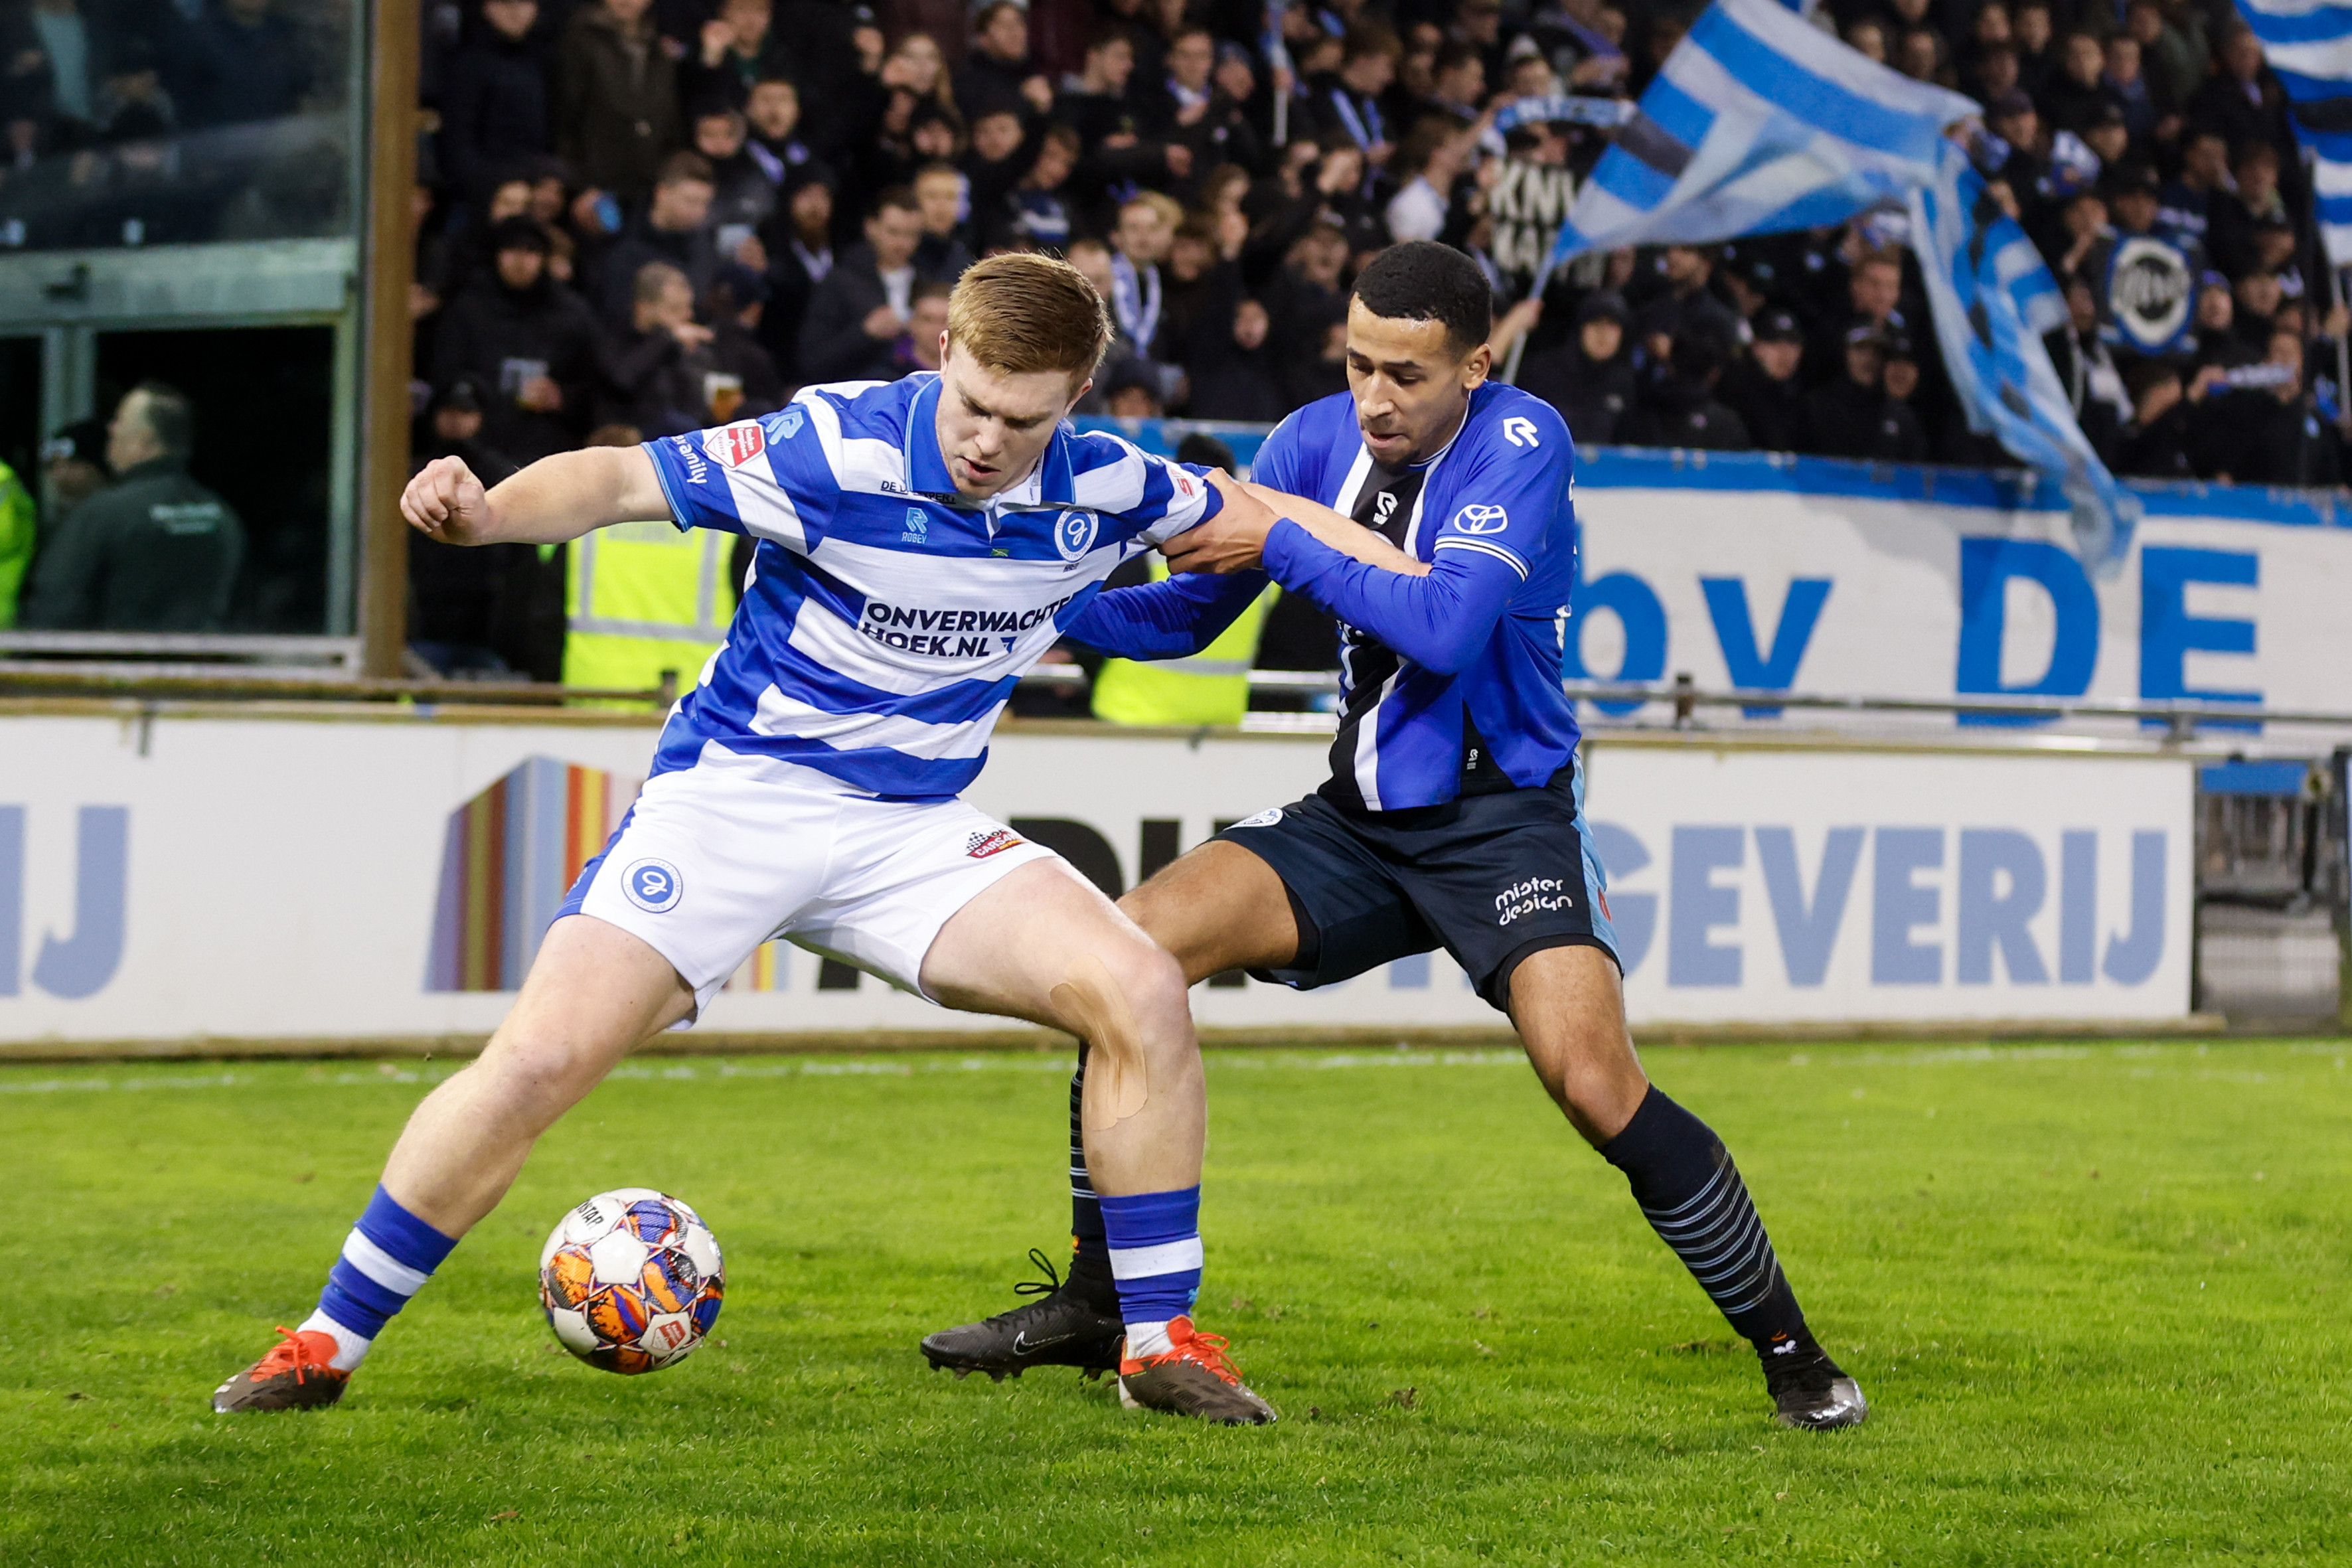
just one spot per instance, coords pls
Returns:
(920, 543)
(1432, 512)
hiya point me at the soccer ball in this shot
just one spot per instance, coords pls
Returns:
(631, 1281)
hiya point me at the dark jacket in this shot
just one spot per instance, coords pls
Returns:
(499, 339)
(692, 252)
(1682, 412)
(236, 75)
(1593, 396)
(1849, 420)
(616, 104)
(833, 345)
(155, 551)
(493, 112)
(1773, 410)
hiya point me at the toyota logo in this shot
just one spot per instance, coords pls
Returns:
(1482, 520)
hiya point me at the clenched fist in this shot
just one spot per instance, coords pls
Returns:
(447, 502)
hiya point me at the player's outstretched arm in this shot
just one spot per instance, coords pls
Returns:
(1341, 533)
(553, 500)
(1235, 538)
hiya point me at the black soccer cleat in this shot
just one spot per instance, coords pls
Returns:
(1073, 1322)
(1808, 1390)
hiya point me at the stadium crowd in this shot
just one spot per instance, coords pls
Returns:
(641, 216)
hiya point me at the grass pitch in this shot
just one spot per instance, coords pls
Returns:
(2096, 1294)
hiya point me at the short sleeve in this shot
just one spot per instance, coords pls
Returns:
(1517, 479)
(768, 477)
(1154, 498)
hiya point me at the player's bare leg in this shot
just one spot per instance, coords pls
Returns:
(1044, 945)
(1217, 907)
(1568, 1003)
(593, 993)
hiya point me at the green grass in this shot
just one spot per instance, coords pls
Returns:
(2096, 1293)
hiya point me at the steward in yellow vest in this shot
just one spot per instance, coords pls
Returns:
(1209, 687)
(643, 598)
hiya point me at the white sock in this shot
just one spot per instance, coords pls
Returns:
(349, 1349)
(1149, 1340)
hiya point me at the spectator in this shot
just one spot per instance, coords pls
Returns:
(657, 367)
(2237, 213)
(1765, 389)
(927, 324)
(1233, 374)
(244, 64)
(1430, 161)
(494, 112)
(772, 138)
(616, 105)
(527, 342)
(996, 74)
(2185, 209)
(2074, 95)
(800, 253)
(1348, 104)
(945, 249)
(2273, 435)
(2174, 66)
(1040, 215)
(1873, 301)
(469, 609)
(1139, 245)
(676, 229)
(1685, 303)
(155, 551)
(1096, 104)
(73, 464)
(2217, 337)
(860, 310)
(2095, 389)
(2162, 430)
(1589, 377)
(742, 197)
(1853, 416)
(733, 53)
(1194, 113)
(1681, 408)
(2242, 100)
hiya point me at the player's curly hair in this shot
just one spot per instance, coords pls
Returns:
(1021, 313)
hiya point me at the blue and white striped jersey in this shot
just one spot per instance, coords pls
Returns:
(886, 619)
(1450, 681)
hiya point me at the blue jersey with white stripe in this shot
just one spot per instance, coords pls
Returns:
(885, 620)
(1450, 681)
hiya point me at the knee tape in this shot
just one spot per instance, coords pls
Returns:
(1118, 1082)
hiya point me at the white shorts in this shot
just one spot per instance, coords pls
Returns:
(712, 861)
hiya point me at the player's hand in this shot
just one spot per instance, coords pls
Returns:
(445, 501)
(1233, 541)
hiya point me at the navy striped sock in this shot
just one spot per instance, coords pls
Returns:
(1086, 1209)
(386, 1258)
(1691, 1193)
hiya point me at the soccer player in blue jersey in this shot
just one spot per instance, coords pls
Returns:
(1452, 812)
(920, 543)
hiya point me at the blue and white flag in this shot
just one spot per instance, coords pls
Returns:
(1759, 122)
(2309, 47)
(1992, 298)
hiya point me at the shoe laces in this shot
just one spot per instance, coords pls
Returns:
(1047, 1286)
(1204, 1351)
(292, 1353)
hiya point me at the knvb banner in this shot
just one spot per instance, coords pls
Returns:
(390, 876)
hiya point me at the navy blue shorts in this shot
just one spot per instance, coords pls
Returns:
(1489, 878)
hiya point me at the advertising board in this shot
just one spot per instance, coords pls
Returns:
(380, 876)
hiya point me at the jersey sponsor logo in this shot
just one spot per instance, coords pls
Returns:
(1531, 897)
(654, 886)
(950, 634)
(789, 423)
(1074, 533)
(918, 528)
(1183, 483)
(1520, 432)
(1482, 520)
(1383, 508)
(1266, 818)
(733, 445)
(980, 845)
(698, 472)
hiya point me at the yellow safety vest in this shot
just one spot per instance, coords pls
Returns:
(641, 599)
(1212, 687)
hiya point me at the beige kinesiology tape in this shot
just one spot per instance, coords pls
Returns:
(1118, 1083)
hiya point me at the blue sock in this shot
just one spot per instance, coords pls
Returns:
(1155, 1256)
(386, 1260)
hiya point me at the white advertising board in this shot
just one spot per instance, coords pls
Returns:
(377, 877)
